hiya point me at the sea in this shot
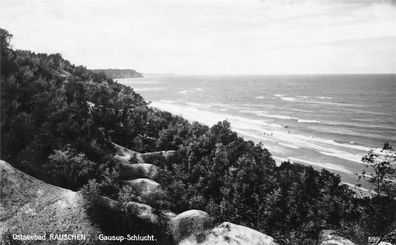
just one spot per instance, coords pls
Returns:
(324, 121)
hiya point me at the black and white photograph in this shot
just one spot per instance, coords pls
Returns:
(198, 122)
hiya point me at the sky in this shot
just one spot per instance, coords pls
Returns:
(210, 36)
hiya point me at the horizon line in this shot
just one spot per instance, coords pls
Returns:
(259, 74)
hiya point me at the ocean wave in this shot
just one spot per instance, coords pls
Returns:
(219, 105)
(289, 146)
(251, 135)
(244, 123)
(184, 92)
(278, 133)
(187, 91)
(344, 155)
(260, 97)
(338, 104)
(194, 104)
(304, 138)
(210, 118)
(340, 154)
(365, 126)
(189, 112)
(147, 89)
(255, 112)
(284, 98)
(283, 117)
(288, 98)
(267, 114)
(346, 142)
(325, 165)
(299, 120)
(319, 145)
(324, 146)
(359, 188)
(308, 121)
(323, 100)
(252, 105)
(324, 97)
(301, 110)
(364, 111)
(293, 139)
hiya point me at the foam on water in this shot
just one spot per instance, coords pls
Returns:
(333, 120)
(308, 121)
(279, 117)
(324, 97)
(289, 145)
(184, 92)
(148, 89)
(188, 91)
(337, 104)
(261, 130)
(288, 98)
(210, 118)
(359, 188)
(326, 165)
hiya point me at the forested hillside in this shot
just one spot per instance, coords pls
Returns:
(58, 123)
(118, 73)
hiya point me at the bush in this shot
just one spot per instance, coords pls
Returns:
(114, 218)
(70, 169)
(156, 199)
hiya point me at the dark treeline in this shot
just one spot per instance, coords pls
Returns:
(58, 122)
(118, 73)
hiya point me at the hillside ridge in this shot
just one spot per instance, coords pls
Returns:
(118, 73)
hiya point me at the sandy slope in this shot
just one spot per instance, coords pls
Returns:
(30, 206)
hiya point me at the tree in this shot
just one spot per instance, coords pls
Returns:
(5, 38)
(383, 163)
(69, 168)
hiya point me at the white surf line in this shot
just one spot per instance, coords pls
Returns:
(322, 165)
(289, 146)
(326, 141)
(308, 142)
(147, 89)
(352, 186)
(210, 118)
(344, 155)
(291, 141)
(372, 177)
(279, 160)
(330, 166)
(312, 144)
(205, 117)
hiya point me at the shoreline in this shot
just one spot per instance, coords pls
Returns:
(282, 139)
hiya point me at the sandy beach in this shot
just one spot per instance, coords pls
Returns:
(284, 145)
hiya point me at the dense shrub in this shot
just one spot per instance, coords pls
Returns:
(69, 168)
(117, 220)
